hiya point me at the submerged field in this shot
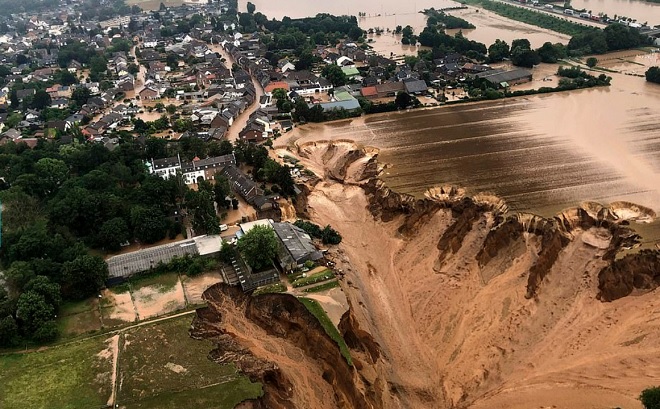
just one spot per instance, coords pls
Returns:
(150, 366)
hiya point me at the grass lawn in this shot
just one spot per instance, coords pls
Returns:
(268, 289)
(67, 377)
(315, 308)
(77, 318)
(322, 275)
(223, 396)
(163, 282)
(161, 363)
(322, 287)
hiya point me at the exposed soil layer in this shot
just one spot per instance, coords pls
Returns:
(453, 303)
(275, 340)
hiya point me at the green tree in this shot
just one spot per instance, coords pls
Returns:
(653, 75)
(98, 66)
(258, 247)
(498, 51)
(41, 100)
(222, 190)
(251, 7)
(551, 53)
(33, 311)
(8, 331)
(47, 332)
(113, 233)
(42, 285)
(592, 62)
(81, 95)
(522, 43)
(334, 74)
(149, 225)
(305, 60)
(133, 69)
(84, 276)
(402, 100)
(171, 109)
(524, 57)
(650, 398)
(200, 207)
(52, 173)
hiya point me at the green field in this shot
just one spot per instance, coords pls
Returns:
(67, 377)
(165, 368)
(322, 287)
(159, 366)
(323, 275)
(533, 17)
(162, 282)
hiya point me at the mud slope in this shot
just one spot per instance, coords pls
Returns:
(455, 305)
(274, 340)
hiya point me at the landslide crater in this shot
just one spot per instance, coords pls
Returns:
(454, 302)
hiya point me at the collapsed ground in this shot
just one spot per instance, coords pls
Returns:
(453, 305)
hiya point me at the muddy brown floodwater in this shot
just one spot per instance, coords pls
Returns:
(541, 153)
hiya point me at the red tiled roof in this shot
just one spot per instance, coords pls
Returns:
(369, 92)
(277, 84)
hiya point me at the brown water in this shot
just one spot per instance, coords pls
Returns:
(541, 153)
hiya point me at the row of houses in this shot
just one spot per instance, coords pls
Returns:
(190, 170)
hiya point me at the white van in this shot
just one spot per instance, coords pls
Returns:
(224, 227)
(569, 12)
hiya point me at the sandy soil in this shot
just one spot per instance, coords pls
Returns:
(459, 335)
(113, 348)
(117, 307)
(333, 302)
(153, 301)
(195, 286)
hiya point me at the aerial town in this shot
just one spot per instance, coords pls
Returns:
(227, 204)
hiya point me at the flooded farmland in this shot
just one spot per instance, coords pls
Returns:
(541, 153)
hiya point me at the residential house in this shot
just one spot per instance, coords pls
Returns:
(149, 94)
(296, 246)
(241, 184)
(415, 87)
(506, 78)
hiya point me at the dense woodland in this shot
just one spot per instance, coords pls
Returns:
(62, 201)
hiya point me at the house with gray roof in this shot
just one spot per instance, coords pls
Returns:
(296, 246)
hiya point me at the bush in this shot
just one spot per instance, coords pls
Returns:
(327, 235)
(650, 398)
(653, 75)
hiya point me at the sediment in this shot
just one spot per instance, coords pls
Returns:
(543, 272)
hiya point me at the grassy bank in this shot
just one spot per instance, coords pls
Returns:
(315, 308)
(322, 287)
(532, 17)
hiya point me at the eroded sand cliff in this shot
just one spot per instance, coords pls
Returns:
(453, 303)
